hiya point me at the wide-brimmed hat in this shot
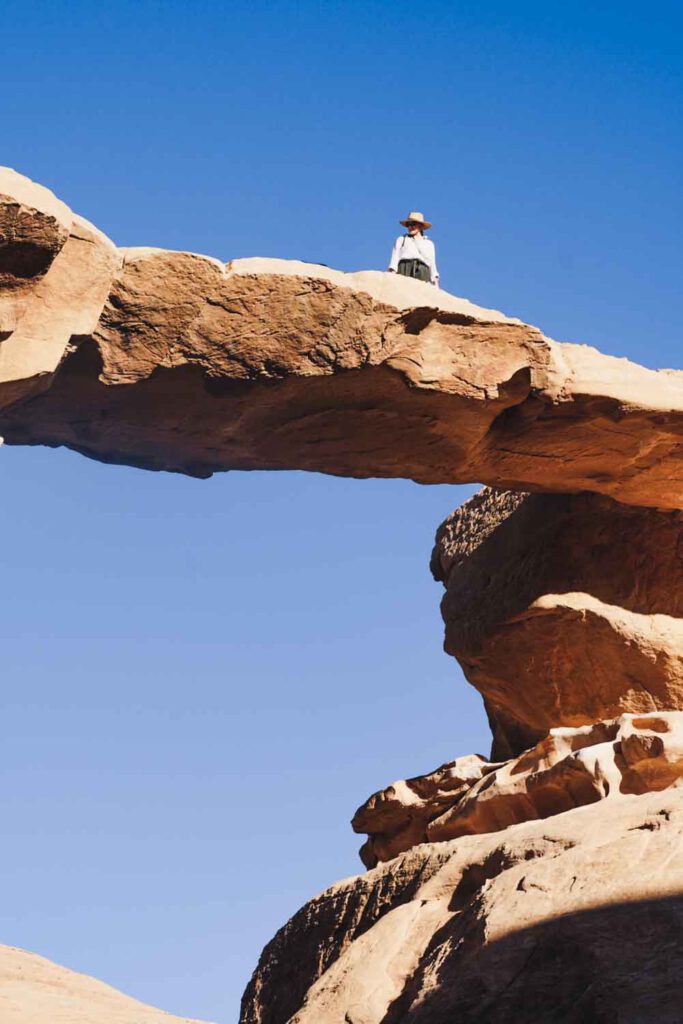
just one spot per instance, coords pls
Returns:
(417, 218)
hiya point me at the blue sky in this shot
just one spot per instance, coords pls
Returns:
(204, 679)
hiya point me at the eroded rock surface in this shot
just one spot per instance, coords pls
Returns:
(633, 754)
(397, 818)
(562, 609)
(547, 887)
(35, 991)
(576, 918)
(56, 271)
(176, 361)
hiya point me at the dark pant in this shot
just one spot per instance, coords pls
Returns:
(414, 268)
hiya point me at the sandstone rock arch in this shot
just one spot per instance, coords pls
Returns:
(175, 361)
(563, 584)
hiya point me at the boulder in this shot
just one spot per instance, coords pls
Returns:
(175, 361)
(562, 609)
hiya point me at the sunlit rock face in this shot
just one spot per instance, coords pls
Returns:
(35, 991)
(56, 271)
(172, 360)
(562, 609)
(575, 918)
(543, 883)
(630, 755)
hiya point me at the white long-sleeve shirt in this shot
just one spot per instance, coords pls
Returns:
(415, 247)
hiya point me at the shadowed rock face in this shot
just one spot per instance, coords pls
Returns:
(562, 609)
(577, 918)
(34, 226)
(175, 361)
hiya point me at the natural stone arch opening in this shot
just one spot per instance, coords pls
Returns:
(175, 361)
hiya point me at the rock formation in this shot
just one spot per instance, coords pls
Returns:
(35, 991)
(578, 918)
(562, 609)
(547, 883)
(175, 361)
(569, 768)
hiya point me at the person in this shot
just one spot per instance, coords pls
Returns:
(414, 255)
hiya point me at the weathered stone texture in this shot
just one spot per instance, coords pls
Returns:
(567, 769)
(536, 887)
(562, 609)
(576, 918)
(175, 361)
(56, 271)
(397, 818)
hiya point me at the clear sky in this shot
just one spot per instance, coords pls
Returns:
(204, 679)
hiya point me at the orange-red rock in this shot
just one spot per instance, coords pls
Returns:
(562, 609)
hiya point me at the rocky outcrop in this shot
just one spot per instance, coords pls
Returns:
(397, 818)
(35, 991)
(569, 768)
(576, 918)
(562, 609)
(56, 271)
(175, 361)
(544, 884)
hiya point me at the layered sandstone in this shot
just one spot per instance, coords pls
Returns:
(575, 918)
(631, 755)
(176, 361)
(35, 991)
(562, 609)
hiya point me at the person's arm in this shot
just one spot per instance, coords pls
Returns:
(393, 262)
(435, 272)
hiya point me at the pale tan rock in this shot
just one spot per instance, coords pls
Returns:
(562, 609)
(36, 991)
(577, 918)
(195, 366)
(56, 271)
(607, 760)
